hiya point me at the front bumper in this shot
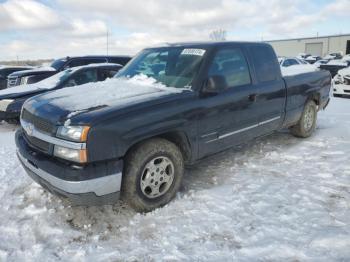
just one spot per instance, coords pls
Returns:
(341, 89)
(94, 184)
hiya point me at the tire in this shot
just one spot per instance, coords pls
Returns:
(152, 174)
(307, 123)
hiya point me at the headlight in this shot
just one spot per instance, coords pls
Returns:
(73, 133)
(24, 80)
(75, 155)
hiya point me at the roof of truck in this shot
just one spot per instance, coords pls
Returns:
(97, 56)
(210, 43)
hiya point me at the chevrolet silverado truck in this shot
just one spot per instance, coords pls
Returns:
(132, 136)
(37, 74)
(12, 99)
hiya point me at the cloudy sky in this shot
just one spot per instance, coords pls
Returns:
(49, 29)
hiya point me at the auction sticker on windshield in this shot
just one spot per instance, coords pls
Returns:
(193, 51)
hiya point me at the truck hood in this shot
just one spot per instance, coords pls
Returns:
(24, 90)
(36, 71)
(66, 105)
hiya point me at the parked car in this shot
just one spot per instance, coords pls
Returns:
(313, 59)
(289, 61)
(333, 66)
(303, 56)
(342, 83)
(12, 99)
(332, 56)
(5, 71)
(321, 62)
(38, 74)
(169, 107)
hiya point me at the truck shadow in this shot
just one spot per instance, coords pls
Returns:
(216, 169)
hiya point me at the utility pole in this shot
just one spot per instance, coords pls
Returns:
(107, 41)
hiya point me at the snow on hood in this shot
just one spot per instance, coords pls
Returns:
(112, 91)
(22, 89)
(46, 84)
(45, 68)
(344, 71)
(298, 69)
(338, 62)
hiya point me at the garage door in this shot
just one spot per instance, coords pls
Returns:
(314, 48)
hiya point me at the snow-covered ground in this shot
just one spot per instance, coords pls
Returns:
(276, 199)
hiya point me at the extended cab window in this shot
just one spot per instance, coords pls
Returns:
(265, 63)
(83, 77)
(232, 65)
(172, 66)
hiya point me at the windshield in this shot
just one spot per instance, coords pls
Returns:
(56, 79)
(170, 66)
(58, 64)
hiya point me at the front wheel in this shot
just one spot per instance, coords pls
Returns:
(307, 123)
(152, 175)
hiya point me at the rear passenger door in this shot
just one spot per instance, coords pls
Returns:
(228, 117)
(270, 88)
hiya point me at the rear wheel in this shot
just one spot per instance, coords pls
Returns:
(152, 175)
(307, 123)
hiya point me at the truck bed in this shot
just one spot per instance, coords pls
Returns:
(303, 86)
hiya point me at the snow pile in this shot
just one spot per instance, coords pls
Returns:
(298, 69)
(276, 199)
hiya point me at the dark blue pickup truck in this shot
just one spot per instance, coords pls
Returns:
(132, 136)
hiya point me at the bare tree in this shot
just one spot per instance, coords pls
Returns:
(218, 35)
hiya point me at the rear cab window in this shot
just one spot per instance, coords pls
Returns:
(265, 63)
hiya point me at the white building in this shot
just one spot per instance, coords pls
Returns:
(320, 46)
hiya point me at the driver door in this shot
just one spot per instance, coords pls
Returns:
(227, 117)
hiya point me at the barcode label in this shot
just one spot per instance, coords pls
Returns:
(192, 51)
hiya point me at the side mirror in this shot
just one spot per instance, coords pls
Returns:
(215, 84)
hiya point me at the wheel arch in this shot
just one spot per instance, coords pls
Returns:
(179, 138)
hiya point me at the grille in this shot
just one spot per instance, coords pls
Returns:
(12, 81)
(37, 143)
(38, 122)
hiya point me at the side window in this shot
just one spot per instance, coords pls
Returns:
(107, 73)
(85, 61)
(95, 60)
(286, 63)
(83, 77)
(293, 62)
(232, 65)
(265, 63)
(119, 60)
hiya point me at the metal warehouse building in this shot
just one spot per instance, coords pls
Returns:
(320, 46)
